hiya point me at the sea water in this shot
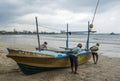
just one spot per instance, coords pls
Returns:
(109, 44)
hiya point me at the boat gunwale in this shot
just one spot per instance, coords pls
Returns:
(28, 54)
(10, 55)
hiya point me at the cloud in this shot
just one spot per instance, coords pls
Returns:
(56, 13)
(109, 20)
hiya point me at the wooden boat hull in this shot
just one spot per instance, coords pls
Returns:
(28, 70)
(32, 62)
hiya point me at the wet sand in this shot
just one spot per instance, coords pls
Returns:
(107, 69)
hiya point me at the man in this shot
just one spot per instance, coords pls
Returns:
(43, 46)
(94, 50)
(73, 57)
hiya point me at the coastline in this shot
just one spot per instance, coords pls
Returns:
(107, 69)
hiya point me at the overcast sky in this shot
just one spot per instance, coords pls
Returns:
(20, 15)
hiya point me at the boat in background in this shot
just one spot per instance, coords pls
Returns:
(112, 33)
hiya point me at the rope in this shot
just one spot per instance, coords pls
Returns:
(95, 12)
(49, 28)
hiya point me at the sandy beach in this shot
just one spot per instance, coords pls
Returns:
(107, 69)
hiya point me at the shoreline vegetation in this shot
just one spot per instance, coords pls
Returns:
(25, 32)
(107, 69)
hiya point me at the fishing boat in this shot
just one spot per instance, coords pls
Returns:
(31, 62)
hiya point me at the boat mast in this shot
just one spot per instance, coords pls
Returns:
(87, 46)
(67, 38)
(37, 33)
(90, 26)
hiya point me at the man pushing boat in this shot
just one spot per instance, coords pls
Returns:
(73, 57)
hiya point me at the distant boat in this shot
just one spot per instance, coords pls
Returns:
(112, 33)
